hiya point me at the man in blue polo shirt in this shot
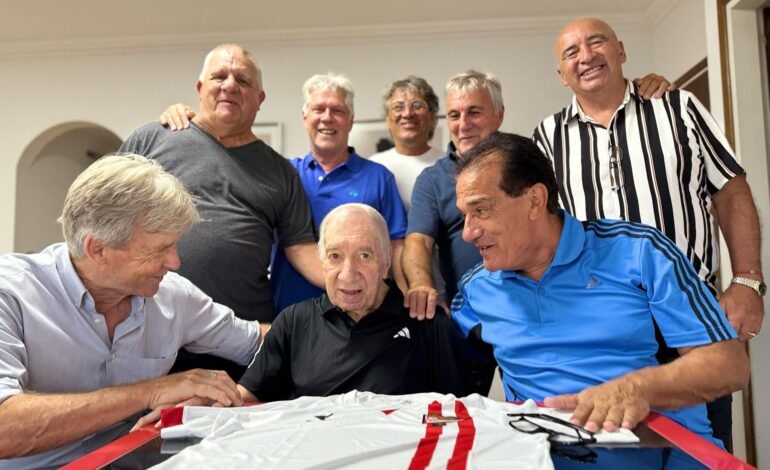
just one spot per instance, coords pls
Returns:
(333, 174)
(571, 309)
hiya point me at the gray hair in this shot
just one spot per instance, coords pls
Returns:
(329, 81)
(233, 48)
(119, 194)
(472, 80)
(415, 85)
(377, 222)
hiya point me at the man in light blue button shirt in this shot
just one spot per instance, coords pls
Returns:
(89, 329)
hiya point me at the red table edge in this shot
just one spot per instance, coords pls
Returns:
(693, 445)
(116, 449)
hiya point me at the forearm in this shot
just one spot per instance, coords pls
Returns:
(416, 260)
(699, 376)
(304, 258)
(36, 422)
(396, 268)
(738, 220)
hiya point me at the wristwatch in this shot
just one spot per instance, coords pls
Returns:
(759, 286)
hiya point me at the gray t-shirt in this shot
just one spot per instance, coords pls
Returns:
(244, 195)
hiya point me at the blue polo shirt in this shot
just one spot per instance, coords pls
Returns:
(592, 316)
(355, 180)
(434, 213)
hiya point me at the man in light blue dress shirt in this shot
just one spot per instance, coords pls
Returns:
(89, 329)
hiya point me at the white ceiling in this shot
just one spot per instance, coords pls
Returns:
(48, 21)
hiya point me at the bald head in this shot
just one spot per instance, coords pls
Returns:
(589, 57)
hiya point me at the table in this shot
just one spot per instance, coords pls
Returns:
(664, 444)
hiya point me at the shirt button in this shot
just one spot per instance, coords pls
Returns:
(97, 321)
(112, 356)
(320, 178)
(541, 291)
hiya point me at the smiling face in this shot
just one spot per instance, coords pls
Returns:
(229, 92)
(139, 267)
(589, 56)
(495, 222)
(328, 122)
(409, 120)
(354, 265)
(471, 117)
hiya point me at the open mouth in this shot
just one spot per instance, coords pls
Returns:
(593, 70)
(327, 131)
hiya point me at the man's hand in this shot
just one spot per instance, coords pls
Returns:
(744, 310)
(215, 386)
(154, 415)
(422, 301)
(177, 116)
(614, 404)
(653, 86)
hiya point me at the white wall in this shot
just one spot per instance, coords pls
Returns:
(679, 39)
(120, 91)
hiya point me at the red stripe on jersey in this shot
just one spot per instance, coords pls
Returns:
(427, 446)
(465, 437)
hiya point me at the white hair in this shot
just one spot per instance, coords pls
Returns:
(329, 81)
(119, 194)
(377, 223)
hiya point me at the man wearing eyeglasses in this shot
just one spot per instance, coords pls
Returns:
(572, 309)
(663, 162)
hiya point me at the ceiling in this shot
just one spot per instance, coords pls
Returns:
(48, 21)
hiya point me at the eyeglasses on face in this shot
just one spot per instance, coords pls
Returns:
(558, 431)
(416, 106)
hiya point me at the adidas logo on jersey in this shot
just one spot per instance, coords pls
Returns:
(403, 333)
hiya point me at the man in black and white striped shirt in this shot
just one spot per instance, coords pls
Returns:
(663, 162)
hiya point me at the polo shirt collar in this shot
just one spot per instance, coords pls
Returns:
(574, 111)
(353, 163)
(392, 304)
(570, 246)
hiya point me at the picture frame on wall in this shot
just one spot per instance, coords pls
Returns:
(270, 133)
(370, 136)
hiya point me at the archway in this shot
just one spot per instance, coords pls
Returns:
(45, 171)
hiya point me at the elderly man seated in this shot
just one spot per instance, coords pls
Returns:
(357, 336)
(571, 309)
(89, 329)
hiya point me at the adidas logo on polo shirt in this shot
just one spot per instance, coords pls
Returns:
(403, 332)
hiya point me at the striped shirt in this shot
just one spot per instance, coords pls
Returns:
(658, 162)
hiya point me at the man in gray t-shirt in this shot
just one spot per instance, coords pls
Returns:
(244, 190)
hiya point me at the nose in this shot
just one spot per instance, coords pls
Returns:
(327, 114)
(465, 122)
(408, 111)
(470, 231)
(586, 53)
(229, 84)
(348, 270)
(172, 260)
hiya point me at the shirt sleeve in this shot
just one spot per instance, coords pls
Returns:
(392, 208)
(211, 328)
(269, 374)
(424, 213)
(142, 140)
(13, 354)
(718, 157)
(681, 304)
(295, 225)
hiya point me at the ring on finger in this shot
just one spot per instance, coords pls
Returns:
(753, 335)
(213, 375)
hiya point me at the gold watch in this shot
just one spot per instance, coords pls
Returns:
(759, 286)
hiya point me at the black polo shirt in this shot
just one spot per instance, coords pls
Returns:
(315, 349)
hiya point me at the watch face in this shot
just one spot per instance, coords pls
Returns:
(762, 288)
